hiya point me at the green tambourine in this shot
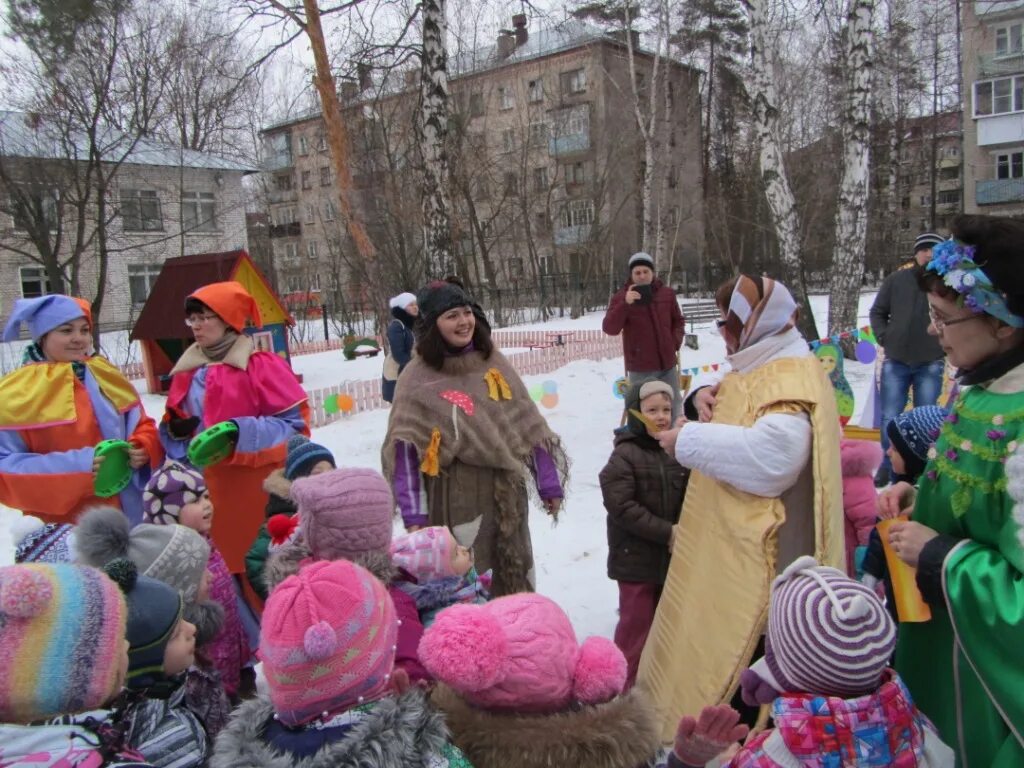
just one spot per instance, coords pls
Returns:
(115, 472)
(213, 445)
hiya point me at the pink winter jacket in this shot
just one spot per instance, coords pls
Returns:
(860, 459)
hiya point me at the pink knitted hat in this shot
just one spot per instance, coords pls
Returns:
(425, 554)
(327, 641)
(344, 513)
(519, 653)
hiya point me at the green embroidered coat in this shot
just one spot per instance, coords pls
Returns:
(965, 667)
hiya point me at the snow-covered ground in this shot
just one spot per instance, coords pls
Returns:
(570, 556)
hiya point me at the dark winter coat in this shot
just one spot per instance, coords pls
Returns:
(400, 732)
(278, 488)
(622, 733)
(899, 320)
(643, 491)
(651, 333)
(400, 345)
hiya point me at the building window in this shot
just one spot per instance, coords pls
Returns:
(949, 174)
(476, 104)
(321, 142)
(1008, 40)
(140, 211)
(952, 151)
(948, 197)
(515, 268)
(511, 184)
(140, 281)
(508, 139)
(506, 98)
(283, 182)
(545, 265)
(540, 179)
(542, 223)
(330, 211)
(535, 91)
(33, 282)
(575, 173)
(926, 200)
(483, 189)
(538, 134)
(998, 97)
(574, 82)
(286, 215)
(303, 145)
(314, 282)
(25, 212)
(291, 251)
(574, 121)
(199, 211)
(577, 213)
(325, 175)
(311, 250)
(310, 214)
(307, 179)
(1010, 165)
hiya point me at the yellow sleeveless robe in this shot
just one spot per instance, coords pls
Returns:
(714, 606)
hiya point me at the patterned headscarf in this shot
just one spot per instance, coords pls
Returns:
(758, 308)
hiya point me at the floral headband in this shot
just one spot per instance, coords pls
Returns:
(954, 262)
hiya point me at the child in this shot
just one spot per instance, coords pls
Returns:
(643, 491)
(346, 514)
(859, 460)
(335, 700)
(825, 673)
(520, 692)
(177, 556)
(62, 631)
(304, 458)
(443, 570)
(177, 493)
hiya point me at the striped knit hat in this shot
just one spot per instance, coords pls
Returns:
(827, 634)
(327, 640)
(62, 630)
(303, 454)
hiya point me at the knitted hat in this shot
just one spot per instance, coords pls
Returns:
(169, 489)
(402, 300)
(62, 630)
(425, 554)
(232, 303)
(303, 455)
(154, 610)
(344, 513)
(827, 634)
(39, 542)
(327, 640)
(438, 297)
(649, 388)
(927, 240)
(641, 259)
(519, 653)
(913, 432)
(41, 315)
(173, 554)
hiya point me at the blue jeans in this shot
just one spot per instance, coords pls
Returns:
(897, 380)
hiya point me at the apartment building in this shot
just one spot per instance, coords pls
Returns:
(546, 163)
(993, 76)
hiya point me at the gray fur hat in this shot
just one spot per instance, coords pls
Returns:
(173, 554)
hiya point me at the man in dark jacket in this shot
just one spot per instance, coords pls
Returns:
(646, 313)
(913, 358)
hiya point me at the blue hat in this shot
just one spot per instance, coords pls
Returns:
(42, 315)
(303, 455)
(913, 432)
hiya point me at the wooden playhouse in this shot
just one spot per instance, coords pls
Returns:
(161, 329)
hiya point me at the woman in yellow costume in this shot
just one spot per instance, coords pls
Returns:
(57, 407)
(765, 489)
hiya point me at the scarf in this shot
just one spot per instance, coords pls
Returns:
(34, 354)
(217, 352)
(758, 308)
(237, 354)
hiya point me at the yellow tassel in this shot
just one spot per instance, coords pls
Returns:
(496, 385)
(431, 465)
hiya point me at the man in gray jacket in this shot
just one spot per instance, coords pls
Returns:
(913, 358)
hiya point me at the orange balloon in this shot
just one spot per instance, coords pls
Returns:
(346, 403)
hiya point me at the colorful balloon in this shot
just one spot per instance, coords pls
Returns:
(865, 352)
(550, 387)
(331, 404)
(549, 401)
(536, 392)
(346, 403)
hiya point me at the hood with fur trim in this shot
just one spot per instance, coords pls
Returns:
(400, 732)
(279, 499)
(621, 733)
(859, 458)
(288, 558)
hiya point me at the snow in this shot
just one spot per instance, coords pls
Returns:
(570, 556)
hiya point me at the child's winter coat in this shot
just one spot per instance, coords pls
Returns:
(85, 739)
(229, 650)
(860, 459)
(277, 487)
(166, 732)
(434, 596)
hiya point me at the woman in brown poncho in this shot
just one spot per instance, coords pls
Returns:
(463, 438)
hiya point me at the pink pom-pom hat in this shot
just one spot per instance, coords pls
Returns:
(425, 554)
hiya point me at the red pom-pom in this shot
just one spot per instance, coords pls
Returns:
(24, 593)
(280, 527)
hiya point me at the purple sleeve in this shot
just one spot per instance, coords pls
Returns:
(406, 484)
(409, 634)
(546, 474)
(15, 458)
(173, 447)
(257, 433)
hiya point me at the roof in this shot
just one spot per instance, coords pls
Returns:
(32, 136)
(162, 317)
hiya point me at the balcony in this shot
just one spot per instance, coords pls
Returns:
(990, 65)
(568, 144)
(282, 196)
(573, 235)
(998, 191)
(291, 229)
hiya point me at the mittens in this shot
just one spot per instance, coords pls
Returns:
(699, 740)
(181, 427)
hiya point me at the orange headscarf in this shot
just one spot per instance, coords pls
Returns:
(232, 303)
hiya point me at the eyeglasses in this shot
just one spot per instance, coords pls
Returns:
(193, 320)
(941, 324)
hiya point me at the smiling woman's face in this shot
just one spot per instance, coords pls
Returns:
(456, 326)
(68, 343)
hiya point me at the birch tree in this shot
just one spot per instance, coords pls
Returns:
(778, 193)
(851, 212)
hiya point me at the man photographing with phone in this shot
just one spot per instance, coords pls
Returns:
(646, 313)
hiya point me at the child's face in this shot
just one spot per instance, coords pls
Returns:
(462, 559)
(320, 467)
(198, 515)
(899, 466)
(658, 409)
(181, 649)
